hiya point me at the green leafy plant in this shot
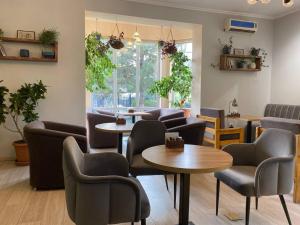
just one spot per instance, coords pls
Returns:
(180, 80)
(48, 36)
(98, 63)
(21, 103)
(1, 33)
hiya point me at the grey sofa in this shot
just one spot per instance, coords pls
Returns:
(99, 190)
(100, 139)
(190, 129)
(163, 114)
(263, 168)
(45, 142)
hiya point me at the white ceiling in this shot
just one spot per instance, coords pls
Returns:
(275, 9)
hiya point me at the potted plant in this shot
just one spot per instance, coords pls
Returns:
(1, 33)
(18, 105)
(47, 38)
(241, 64)
(255, 51)
(169, 48)
(179, 81)
(226, 47)
(98, 64)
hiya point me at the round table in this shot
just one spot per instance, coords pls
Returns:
(134, 114)
(194, 159)
(116, 128)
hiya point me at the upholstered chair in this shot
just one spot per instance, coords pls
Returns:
(216, 132)
(190, 129)
(99, 190)
(263, 168)
(97, 138)
(45, 142)
(163, 114)
(146, 134)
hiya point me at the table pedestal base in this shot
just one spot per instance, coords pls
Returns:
(190, 223)
(184, 200)
(120, 143)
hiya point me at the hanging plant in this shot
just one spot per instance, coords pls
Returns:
(169, 47)
(116, 41)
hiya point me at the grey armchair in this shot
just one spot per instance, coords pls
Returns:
(99, 190)
(99, 139)
(190, 129)
(146, 134)
(263, 168)
(163, 114)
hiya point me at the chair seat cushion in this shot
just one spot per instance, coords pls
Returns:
(239, 178)
(140, 168)
(281, 123)
(145, 204)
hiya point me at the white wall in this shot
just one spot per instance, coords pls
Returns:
(217, 88)
(65, 100)
(286, 58)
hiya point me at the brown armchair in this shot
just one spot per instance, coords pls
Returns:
(163, 114)
(45, 142)
(215, 132)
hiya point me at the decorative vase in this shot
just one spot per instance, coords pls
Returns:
(252, 66)
(22, 153)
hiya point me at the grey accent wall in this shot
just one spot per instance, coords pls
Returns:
(286, 58)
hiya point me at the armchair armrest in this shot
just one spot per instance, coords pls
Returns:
(175, 122)
(153, 115)
(106, 164)
(171, 116)
(274, 176)
(230, 130)
(242, 154)
(65, 127)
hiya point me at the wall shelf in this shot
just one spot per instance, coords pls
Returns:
(227, 61)
(30, 59)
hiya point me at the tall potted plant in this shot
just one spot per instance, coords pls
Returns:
(179, 81)
(18, 105)
(98, 64)
(48, 38)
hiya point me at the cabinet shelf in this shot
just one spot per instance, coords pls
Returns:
(29, 59)
(227, 61)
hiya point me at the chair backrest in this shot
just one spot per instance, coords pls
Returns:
(274, 143)
(145, 134)
(215, 118)
(105, 112)
(73, 166)
(282, 111)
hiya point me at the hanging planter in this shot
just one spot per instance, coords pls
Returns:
(116, 41)
(169, 47)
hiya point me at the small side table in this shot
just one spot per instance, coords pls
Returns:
(248, 119)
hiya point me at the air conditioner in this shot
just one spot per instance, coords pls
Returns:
(240, 25)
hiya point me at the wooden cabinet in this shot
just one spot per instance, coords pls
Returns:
(229, 62)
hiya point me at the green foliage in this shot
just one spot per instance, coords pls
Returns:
(1, 33)
(48, 37)
(180, 80)
(23, 103)
(98, 63)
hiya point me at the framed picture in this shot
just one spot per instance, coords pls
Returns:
(2, 51)
(22, 34)
(238, 51)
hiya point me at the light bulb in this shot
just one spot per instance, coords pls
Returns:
(252, 2)
(265, 1)
(129, 44)
(136, 35)
(288, 3)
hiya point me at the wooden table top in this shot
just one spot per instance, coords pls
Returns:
(114, 128)
(194, 159)
(246, 118)
(134, 113)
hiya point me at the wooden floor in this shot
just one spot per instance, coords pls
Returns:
(20, 205)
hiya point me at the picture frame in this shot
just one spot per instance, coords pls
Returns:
(238, 51)
(2, 51)
(23, 34)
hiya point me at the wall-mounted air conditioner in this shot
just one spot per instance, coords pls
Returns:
(240, 25)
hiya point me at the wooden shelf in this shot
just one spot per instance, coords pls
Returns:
(226, 62)
(28, 59)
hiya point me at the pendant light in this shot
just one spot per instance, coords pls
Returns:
(136, 34)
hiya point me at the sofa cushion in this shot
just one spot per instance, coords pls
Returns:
(283, 111)
(281, 123)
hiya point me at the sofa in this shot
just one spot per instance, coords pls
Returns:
(45, 142)
(163, 114)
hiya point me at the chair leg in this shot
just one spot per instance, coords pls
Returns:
(248, 203)
(143, 221)
(256, 203)
(175, 190)
(217, 197)
(166, 180)
(132, 223)
(285, 209)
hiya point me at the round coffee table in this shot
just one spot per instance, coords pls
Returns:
(116, 128)
(134, 115)
(194, 159)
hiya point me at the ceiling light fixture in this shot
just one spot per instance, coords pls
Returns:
(136, 34)
(286, 3)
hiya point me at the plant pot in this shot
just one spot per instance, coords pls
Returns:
(226, 50)
(22, 153)
(48, 54)
(187, 112)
